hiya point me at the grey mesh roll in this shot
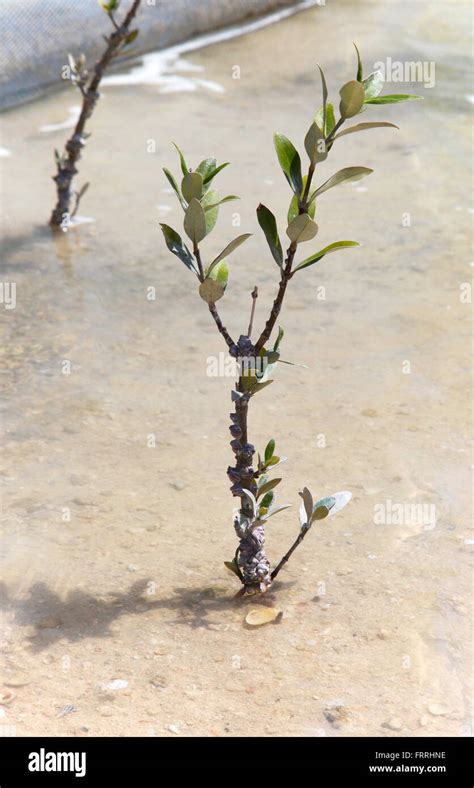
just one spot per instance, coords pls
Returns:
(38, 34)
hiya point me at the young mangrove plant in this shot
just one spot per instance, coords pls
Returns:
(256, 360)
(88, 85)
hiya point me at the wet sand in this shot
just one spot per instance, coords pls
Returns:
(112, 552)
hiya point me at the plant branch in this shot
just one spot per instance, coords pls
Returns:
(67, 166)
(223, 331)
(290, 552)
(285, 277)
(307, 187)
(254, 295)
(197, 255)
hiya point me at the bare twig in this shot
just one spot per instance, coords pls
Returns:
(222, 330)
(67, 164)
(285, 277)
(254, 295)
(290, 552)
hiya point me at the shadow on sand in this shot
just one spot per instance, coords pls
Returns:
(82, 615)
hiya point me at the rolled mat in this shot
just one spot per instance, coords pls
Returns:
(37, 35)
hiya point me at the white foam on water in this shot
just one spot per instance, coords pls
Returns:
(160, 68)
(69, 123)
(76, 221)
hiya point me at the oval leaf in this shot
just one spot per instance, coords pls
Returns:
(363, 127)
(204, 168)
(229, 249)
(210, 203)
(268, 224)
(352, 98)
(327, 250)
(373, 85)
(394, 98)
(342, 499)
(301, 229)
(267, 486)
(269, 449)
(294, 207)
(210, 290)
(346, 174)
(191, 186)
(315, 144)
(290, 162)
(175, 245)
(175, 187)
(195, 221)
(330, 118)
(307, 499)
(212, 173)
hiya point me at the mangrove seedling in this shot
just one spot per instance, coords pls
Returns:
(257, 360)
(88, 85)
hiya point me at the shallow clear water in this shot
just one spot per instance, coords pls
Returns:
(112, 552)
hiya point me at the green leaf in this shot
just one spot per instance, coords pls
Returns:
(325, 99)
(175, 186)
(373, 85)
(268, 224)
(363, 127)
(233, 567)
(394, 98)
(220, 273)
(205, 167)
(352, 98)
(346, 174)
(277, 509)
(229, 249)
(210, 203)
(248, 379)
(322, 508)
(327, 250)
(267, 487)
(315, 144)
(359, 65)
(269, 449)
(266, 501)
(280, 336)
(290, 162)
(195, 221)
(184, 166)
(259, 386)
(330, 118)
(212, 173)
(175, 245)
(294, 207)
(191, 186)
(229, 198)
(272, 461)
(131, 37)
(301, 229)
(110, 5)
(215, 283)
